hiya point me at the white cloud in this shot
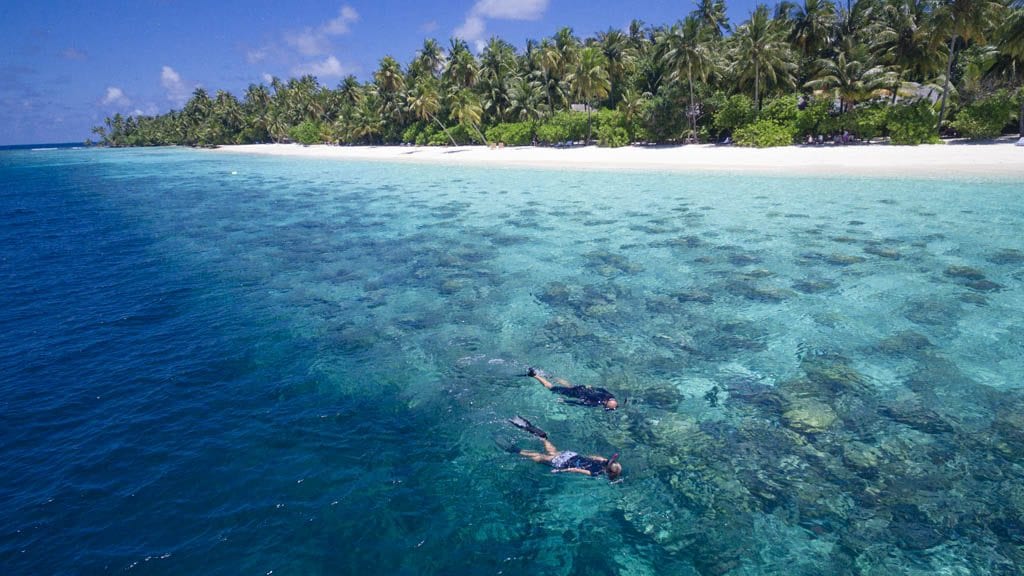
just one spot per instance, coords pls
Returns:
(115, 97)
(472, 29)
(256, 55)
(73, 54)
(475, 26)
(330, 67)
(267, 77)
(312, 41)
(149, 109)
(511, 9)
(428, 27)
(177, 90)
(339, 25)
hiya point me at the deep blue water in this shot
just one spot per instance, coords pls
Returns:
(226, 364)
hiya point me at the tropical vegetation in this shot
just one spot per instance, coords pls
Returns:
(912, 70)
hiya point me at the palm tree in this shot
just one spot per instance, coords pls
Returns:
(632, 105)
(525, 99)
(902, 42)
(686, 54)
(1012, 46)
(424, 102)
(551, 64)
(621, 59)
(965, 20)
(390, 83)
(430, 58)
(388, 77)
(711, 14)
(497, 64)
(467, 110)
(348, 90)
(760, 53)
(256, 107)
(462, 70)
(812, 26)
(852, 78)
(589, 79)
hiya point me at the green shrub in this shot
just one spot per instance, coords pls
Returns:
(764, 134)
(783, 110)
(736, 111)
(815, 118)
(411, 132)
(551, 133)
(464, 134)
(986, 118)
(439, 138)
(868, 122)
(913, 124)
(608, 117)
(308, 132)
(424, 136)
(611, 136)
(562, 127)
(511, 134)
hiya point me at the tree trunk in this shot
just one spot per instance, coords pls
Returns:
(945, 87)
(692, 112)
(445, 130)
(757, 86)
(588, 122)
(479, 133)
(1020, 117)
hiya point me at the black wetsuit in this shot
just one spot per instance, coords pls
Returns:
(585, 395)
(569, 459)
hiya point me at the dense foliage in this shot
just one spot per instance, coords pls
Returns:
(811, 69)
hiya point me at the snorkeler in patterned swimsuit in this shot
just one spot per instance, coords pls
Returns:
(583, 395)
(565, 460)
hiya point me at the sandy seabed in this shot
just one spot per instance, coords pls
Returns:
(998, 159)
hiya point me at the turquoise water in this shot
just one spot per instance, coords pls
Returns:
(217, 363)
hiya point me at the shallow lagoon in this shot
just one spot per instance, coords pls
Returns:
(305, 367)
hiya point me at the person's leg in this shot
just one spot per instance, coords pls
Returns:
(550, 448)
(536, 376)
(536, 456)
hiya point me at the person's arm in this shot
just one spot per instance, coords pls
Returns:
(598, 458)
(576, 470)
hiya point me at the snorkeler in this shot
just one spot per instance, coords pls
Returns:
(583, 395)
(566, 460)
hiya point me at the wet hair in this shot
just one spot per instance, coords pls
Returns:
(614, 470)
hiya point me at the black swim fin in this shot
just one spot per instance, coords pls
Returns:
(524, 424)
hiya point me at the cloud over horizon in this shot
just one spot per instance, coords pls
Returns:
(316, 41)
(330, 67)
(475, 26)
(115, 97)
(177, 90)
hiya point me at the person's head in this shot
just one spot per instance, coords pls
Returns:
(614, 471)
(611, 404)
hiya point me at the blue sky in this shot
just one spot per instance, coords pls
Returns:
(67, 64)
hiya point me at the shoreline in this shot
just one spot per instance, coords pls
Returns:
(999, 159)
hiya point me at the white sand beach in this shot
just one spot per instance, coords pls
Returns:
(998, 159)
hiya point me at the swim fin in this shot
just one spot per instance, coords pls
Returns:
(524, 424)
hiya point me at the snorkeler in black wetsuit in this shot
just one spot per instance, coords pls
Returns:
(583, 395)
(565, 460)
